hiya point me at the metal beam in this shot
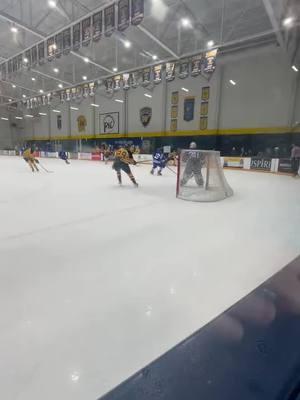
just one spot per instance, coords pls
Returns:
(275, 24)
(156, 40)
(50, 77)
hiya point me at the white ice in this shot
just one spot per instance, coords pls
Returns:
(97, 280)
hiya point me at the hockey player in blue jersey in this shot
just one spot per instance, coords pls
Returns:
(159, 161)
(64, 156)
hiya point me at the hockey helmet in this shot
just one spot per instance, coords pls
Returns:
(193, 145)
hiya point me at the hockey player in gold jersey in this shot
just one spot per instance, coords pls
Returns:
(28, 156)
(122, 160)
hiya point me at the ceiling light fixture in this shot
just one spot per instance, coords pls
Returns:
(29, 116)
(25, 60)
(56, 111)
(51, 3)
(232, 82)
(115, 69)
(86, 59)
(41, 113)
(60, 85)
(84, 77)
(210, 44)
(33, 79)
(14, 29)
(24, 96)
(41, 91)
(10, 100)
(288, 21)
(94, 105)
(154, 57)
(185, 89)
(19, 117)
(4, 118)
(295, 68)
(74, 108)
(148, 95)
(119, 101)
(13, 86)
(186, 23)
(127, 44)
(56, 70)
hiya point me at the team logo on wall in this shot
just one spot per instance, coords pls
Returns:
(81, 123)
(184, 69)
(109, 123)
(157, 73)
(189, 106)
(145, 115)
(170, 72)
(196, 66)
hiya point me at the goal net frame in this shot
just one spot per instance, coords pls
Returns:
(200, 176)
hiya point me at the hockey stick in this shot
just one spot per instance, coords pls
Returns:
(45, 169)
(174, 172)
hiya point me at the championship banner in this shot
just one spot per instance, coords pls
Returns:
(157, 71)
(85, 91)
(204, 108)
(109, 85)
(68, 95)
(41, 52)
(134, 83)
(170, 71)
(203, 123)
(92, 89)
(66, 41)
(9, 68)
(86, 31)
(3, 71)
(196, 65)
(109, 20)
(97, 26)
(62, 96)
(137, 11)
(189, 107)
(59, 44)
(126, 78)
(174, 112)
(210, 61)
(49, 98)
(109, 123)
(78, 92)
(15, 65)
(51, 46)
(117, 83)
(81, 123)
(20, 61)
(28, 104)
(183, 69)
(28, 56)
(76, 36)
(173, 125)
(34, 56)
(146, 76)
(123, 15)
(74, 93)
(205, 93)
(175, 98)
(262, 164)
(44, 100)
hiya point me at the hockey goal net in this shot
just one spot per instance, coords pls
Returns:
(200, 176)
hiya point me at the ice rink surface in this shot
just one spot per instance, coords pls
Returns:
(96, 280)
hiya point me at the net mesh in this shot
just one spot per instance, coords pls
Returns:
(201, 176)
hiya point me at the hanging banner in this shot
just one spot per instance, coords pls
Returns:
(126, 85)
(41, 52)
(85, 91)
(189, 106)
(66, 41)
(62, 96)
(34, 56)
(109, 85)
(109, 20)
(123, 15)
(3, 71)
(15, 65)
(97, 26)
(204, 108)
(51, 48)
(28, 56)
(210, 61)
(59, 44)
(157, 71)
(205, 93)
(73, 94)
(184, 69)
(196, 65)
(137, 11)
(92, 89)
(20, 61)
(146, 76)
(76, 36)
(175, 98)
(9, 68)
(59, 122)
(68, 95)
(78, 92)
(81, 123)
(44, 100)
(170, 72)
(86, 31)
(134, 83)
(203, 123)
(117, 83)
(49, 98)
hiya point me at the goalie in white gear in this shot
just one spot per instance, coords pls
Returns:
(194, 162)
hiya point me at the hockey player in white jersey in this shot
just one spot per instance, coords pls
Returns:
(194, 162)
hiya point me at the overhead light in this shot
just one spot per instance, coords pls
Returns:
(210, 43)
(84, 77)
(94, 105)
(52, 3)
(295, 68)
(74, 108)
(13, 86)
(232, 82)
(41, 91)
(29, 116)
(19, 117)
(288, 21)
(60, 85)
(25, 60)
(56, 111)
(41, 113)
(148, 95)
(4, 119)
(185, 89)
(56, 70)
(115, 69)
(119, 101)
(10, 100)
(186, 23)
(24, 96)
(86, 59)
(127, 44)
(14, 29)
(33, 79)
(154, 57)
(54, 46)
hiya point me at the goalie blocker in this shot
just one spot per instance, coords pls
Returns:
(200, 176)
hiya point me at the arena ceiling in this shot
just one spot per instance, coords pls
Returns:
(171, 29)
